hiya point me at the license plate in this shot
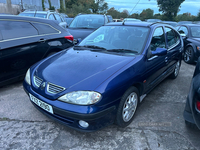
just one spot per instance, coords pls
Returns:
(41, 104)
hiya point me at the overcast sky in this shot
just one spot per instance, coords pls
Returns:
(191, 6)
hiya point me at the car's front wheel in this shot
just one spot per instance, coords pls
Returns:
(127, 107)
(188, 55)
(175, 73)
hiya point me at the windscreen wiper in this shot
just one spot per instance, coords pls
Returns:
(122, 50)
(77, 47)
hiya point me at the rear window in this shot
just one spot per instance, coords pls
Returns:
(16, 29)
(45, 28)
(87, 21)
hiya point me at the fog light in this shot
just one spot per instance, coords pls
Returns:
(83, 124)
(198, 105)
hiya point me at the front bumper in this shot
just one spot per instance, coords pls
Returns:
(96, 120)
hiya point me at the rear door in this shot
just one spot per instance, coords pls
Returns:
(17, 48)
(174, 48)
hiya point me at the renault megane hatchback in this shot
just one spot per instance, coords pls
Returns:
(104, 78)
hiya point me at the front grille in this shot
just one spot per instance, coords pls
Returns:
(37, 81)
(54, 89)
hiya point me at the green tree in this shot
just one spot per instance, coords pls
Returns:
(99, 6)
(146, 14)
(169, 8)
(113, 12)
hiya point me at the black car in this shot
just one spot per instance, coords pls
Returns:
(26, 40)
(84, 24)
(192, 108)
(191, 38)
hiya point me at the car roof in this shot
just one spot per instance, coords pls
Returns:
(14, 17)
(189, 25)
(90, 15)
(32, 11)
(142, 24)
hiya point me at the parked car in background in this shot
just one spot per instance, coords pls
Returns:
(153, 20)
(192, 108)
(52, 15)
(68, 20)
(104, 78)
(172, 23)
(25, 41)
(110, 18)
(84, 24)
(131, 20)
(117, 20)
(184, 22)
(191, 38)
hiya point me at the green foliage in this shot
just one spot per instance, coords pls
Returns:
(50, 6)
(146, 14)
(43, 7)
(62, 7)
(169, 8)
(99, 6)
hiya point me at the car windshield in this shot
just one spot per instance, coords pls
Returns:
(195, 32)
(34, 15)
(87, 21)
(119, 39)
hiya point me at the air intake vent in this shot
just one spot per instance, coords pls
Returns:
(37, 81)
(54, 89)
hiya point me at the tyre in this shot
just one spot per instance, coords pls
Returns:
(175, 73)
(190, 125)
(127, 107)
(188, 55)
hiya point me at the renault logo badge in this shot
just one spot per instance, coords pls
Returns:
(43, 86)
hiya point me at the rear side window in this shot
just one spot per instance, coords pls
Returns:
(45, 28)
(51, 17)
(16, 29)
(58, 18)
(172, 36)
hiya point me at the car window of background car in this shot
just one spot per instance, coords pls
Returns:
(195, 31)
(158, 39)
(45, 29)
(51, 17)
(15, 29)
(27, 14)
(58, 18)
(41, 15)
(87, 21)
(183, 30)
(171, 38)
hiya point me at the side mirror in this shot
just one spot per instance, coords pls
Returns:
(77, 41)
(159, 51)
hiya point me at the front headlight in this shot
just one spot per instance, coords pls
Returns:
(81, 97)
(28, 77)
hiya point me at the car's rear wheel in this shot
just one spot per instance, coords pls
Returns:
(188, 55)
(127, 107)
(175, 73)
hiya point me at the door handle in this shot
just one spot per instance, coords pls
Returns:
(166, 59)
(42, 40)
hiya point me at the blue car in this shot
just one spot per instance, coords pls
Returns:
(104, 78)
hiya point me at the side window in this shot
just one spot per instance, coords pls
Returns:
(58, 18)
(16, 29)
(158, 39)
(183, 30)
(45, 28)
(171, 37)
(51, 17)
